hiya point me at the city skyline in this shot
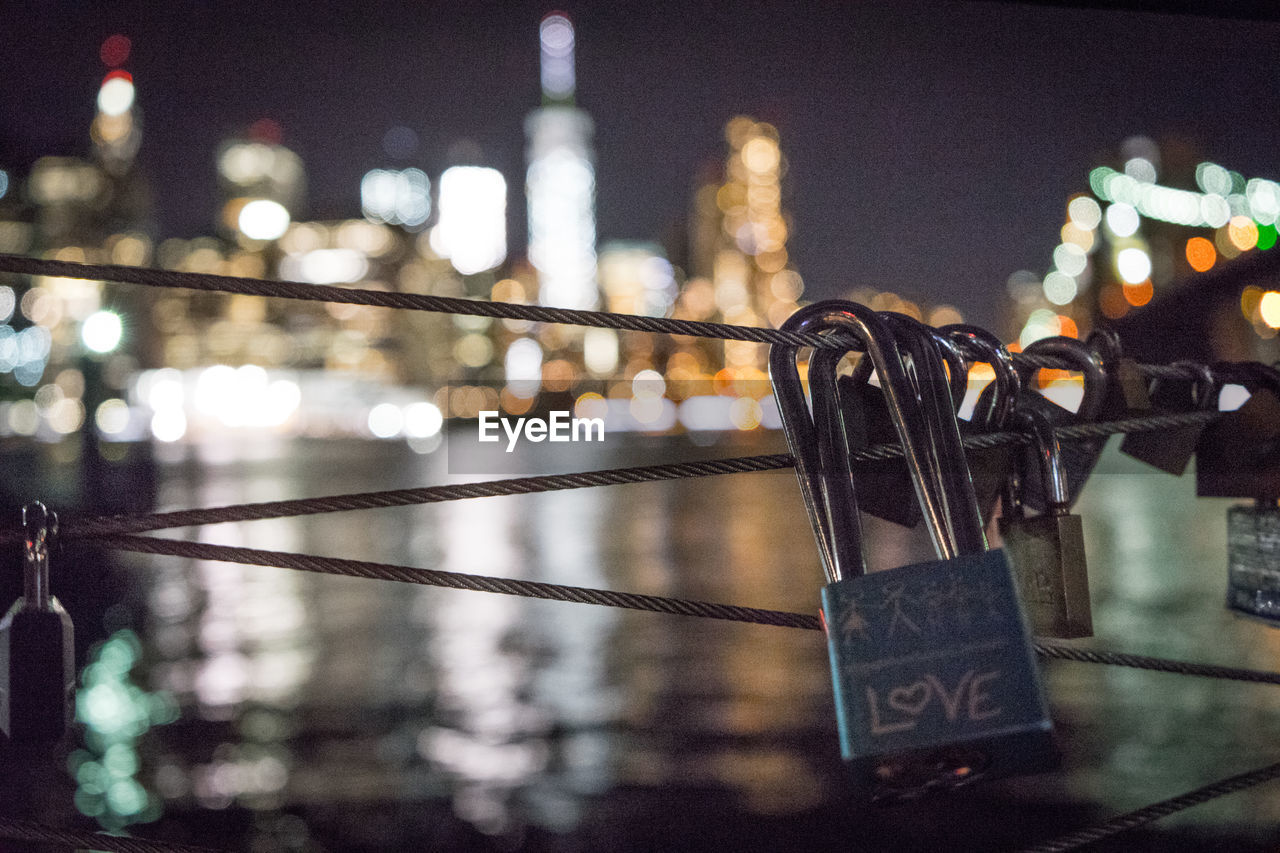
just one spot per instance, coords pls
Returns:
(923, 158)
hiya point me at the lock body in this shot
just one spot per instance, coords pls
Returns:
(1171, 450)
(1239, 453)
(1049, 568)
(883, 486)
(1253, 561)
(936, 683)
(37, 671)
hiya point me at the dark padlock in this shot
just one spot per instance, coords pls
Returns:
(1078, 456)
(1047, 550)
(1253, 560)
(1126, 394)
(37, 645)
(989, 467)
(1239, 453)
(1171, 449)
(882, 483)
(934, 675)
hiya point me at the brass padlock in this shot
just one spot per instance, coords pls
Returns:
(37, 645)
(1047, 550)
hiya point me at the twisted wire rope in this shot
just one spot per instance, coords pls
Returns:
(143, 522)
(210, 282)
(1155, 811)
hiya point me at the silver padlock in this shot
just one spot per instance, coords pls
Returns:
(1253, 560)
(935, 680)
(37, 645)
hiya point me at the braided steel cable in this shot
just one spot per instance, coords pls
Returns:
(457, 580)
(1155, 811)
(608, 598)
(144, 522)
(452, 305)
(30, 831)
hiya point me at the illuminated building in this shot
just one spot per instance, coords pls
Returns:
(472, 231)
(738, 250)
(560, 182)
(1136, 237)
(263, 182)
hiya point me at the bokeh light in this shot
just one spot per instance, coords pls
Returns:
(1122, 219)
(263, 219)
(1200, 254)
(1133, 265)
(1269, 308)
(1243, 232)
(116, 95)
(114, 51)
(102, 331)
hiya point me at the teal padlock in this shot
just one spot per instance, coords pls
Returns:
(935, 679)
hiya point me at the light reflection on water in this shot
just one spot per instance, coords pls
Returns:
(309, 690)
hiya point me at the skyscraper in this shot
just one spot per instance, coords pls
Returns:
(560, 183)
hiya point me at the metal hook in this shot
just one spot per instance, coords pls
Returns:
(41, 526)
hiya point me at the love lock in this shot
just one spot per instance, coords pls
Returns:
(37, 645)
(1171, 449)
(1239, 456)
(1047, 550)
(935, 679)
(1081, 455)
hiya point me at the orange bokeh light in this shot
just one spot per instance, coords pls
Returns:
(1113, 303)
(1139, 294)
(1067, 327)
(1201, 254)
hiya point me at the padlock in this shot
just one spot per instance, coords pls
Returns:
(1047, 550)
(37, 645)
(1126, 394)
(1078, 456)
(1238, 455)
(989, 467)
(1171, 449)
(883, 482)
(934, 675)
(1253, 560)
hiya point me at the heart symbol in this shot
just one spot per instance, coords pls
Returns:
(910, 700)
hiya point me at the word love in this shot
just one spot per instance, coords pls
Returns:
(901, 708)
(560, 426)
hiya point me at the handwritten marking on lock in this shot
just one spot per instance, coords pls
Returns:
(902, 610)
(899, 708)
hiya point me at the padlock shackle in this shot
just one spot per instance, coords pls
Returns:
(864, 327)
(1081, 358)
(837, 472)
(1048, 454)
(994, 408)
(40, 525)
(962, 529)
(952, 353)
(1204, 388)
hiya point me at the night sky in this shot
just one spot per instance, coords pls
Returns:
(932, 146)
